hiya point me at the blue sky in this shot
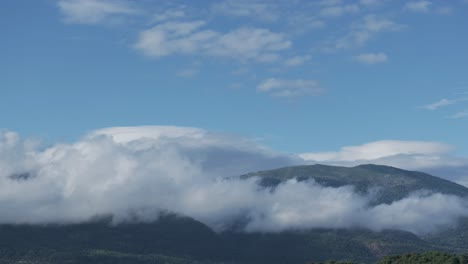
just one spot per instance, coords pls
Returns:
(121, 104)
(299, 76)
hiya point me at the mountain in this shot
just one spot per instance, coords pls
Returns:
(175, 239)
(393, 183)
(180, 240)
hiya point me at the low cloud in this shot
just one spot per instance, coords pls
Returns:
(135, 172)
(190, 38)
(95, 11)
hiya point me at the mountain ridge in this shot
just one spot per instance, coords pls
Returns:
(175, 239)
(395, 183)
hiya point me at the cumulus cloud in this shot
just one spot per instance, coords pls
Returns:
(134, 173)
(289, 88)
(418, 6)
(94, 11)
(189, 38)
(371, 58)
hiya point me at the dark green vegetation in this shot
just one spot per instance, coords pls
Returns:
(173, 239)
(183, 240)
(415, 258)
(430, 257)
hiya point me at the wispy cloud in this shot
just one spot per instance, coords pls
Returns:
(339, 10)
(446, 10)
(189, 72)
(304, 22)
(364, 30)
(296, 61)
(379, 149)
(169, 14)
(418, 6)
(459, 115)
(255, 9)
(370, 2)
(443, 102)
(371, 58)
(95, 11)
(189, 38)
(290, 88)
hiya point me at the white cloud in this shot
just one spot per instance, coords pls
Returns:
(439, 104)
(443, 102)
(189, 72)
(135, 172)
(188, 38)
(330, 2)
(418, 6)
(371, 58)
(459, 115)
(301, 23)
(379, 149)
(255, 9)
(290, 88)
(446, 10)
(296, 61)
(169, 14)
(94, 11)
(339, 10)
(370, 2)
(363, 31)
(430, 157)
(416, 209)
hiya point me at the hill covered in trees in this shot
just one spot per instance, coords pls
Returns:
(175, 239)
(393, 183)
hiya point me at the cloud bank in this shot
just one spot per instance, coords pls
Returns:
(134, 173)
(431, 157)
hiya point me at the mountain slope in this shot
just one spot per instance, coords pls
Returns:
(180, 240)
(393, 183)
